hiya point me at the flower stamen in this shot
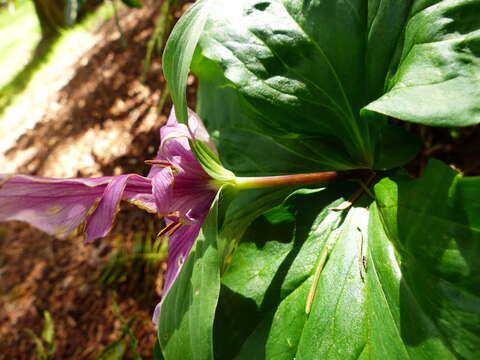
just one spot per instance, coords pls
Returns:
(162, 164)
(166, 229)
(175, 228)
(170, 229)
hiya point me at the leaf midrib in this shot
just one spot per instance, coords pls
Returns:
(264, 82)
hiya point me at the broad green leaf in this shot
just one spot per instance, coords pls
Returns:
(283, 89)
(400, 280)
(187, 314)
(178, 54)
(302, 71)
(299, 71)
(270, 52)
(275, 256)
(433, 223)
(435, 79)
(242, 146)
(157, 351)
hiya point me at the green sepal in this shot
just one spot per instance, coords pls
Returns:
(211, 163)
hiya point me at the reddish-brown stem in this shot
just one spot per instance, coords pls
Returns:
(295, 179)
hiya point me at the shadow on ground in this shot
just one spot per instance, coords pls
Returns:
(104, 90)
(40, 273)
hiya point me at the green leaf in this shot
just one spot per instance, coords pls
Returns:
(274, 258)
(394, 147)
(434, 80)
(186, 318)
(433, 223)
(301, 78)
(273, 56)
(283, 89)
(179, 52)
(40, 351)
(400, 280)
(241, 147)
(157, 351)
(115, 351)
(48, 332)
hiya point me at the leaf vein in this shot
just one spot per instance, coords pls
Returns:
(293, 70)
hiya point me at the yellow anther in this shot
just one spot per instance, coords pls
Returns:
(54, 210)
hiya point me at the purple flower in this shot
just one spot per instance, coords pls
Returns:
(176, 188)
(183, 191)
(65, 207)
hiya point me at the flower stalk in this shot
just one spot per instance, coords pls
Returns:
(244, 183)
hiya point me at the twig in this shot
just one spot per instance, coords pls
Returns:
(356, 195)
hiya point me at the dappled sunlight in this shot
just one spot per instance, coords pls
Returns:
(24, 102)
(81, 110)
(20, 32)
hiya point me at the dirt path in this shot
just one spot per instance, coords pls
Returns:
(94, 117)
(83, 118)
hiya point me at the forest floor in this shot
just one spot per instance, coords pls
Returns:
(88, 115)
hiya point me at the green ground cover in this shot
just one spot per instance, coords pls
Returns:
(26, 62)
(19, 33)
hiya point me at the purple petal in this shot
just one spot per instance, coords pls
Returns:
(193, 195)
(162, 188)
(101, 221)
(179, 246)
(199, 131)
(175, 146)
(61, 206)
(188, 194)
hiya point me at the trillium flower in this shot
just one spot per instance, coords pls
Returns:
(176, 188)
(182, 189)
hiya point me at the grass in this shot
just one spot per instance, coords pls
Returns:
(27, 62)
(135, 264)
(19, 33)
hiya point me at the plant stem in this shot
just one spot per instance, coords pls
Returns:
(123, 39)
(163, 27)
(243, 183)
(316, 277)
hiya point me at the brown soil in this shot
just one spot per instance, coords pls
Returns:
(460, 148)
(102, 122)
